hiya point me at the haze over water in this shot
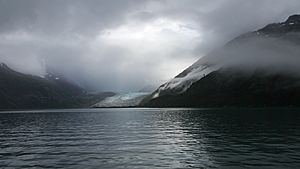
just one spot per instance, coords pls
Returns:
(150, 138)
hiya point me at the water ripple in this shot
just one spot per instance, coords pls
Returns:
(151, 138)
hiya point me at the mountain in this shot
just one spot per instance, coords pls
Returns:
(22, 91)
(260, 68)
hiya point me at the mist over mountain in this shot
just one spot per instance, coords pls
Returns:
(124, 45)
(129, 46)
(260, 68)
(23, 91)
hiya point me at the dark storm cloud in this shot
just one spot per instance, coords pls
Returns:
(125, 44)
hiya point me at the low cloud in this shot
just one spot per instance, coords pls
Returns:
(124, 45)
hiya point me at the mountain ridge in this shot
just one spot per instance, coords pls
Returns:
(272, 51)
(24, 91)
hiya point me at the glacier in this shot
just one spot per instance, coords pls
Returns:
(123, 100)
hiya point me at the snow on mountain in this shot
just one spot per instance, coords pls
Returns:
(181, 83)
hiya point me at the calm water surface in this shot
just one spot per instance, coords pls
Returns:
(151, 138)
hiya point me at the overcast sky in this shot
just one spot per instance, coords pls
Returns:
(125, 45)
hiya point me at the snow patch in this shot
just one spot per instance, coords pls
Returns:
(181, 84)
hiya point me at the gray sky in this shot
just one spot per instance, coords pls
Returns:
(125, 45)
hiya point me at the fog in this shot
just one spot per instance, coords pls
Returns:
(274, 55)
(125, 45)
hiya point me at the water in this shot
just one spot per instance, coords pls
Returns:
(151, 138)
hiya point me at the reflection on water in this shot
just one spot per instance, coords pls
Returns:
(151, 138)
